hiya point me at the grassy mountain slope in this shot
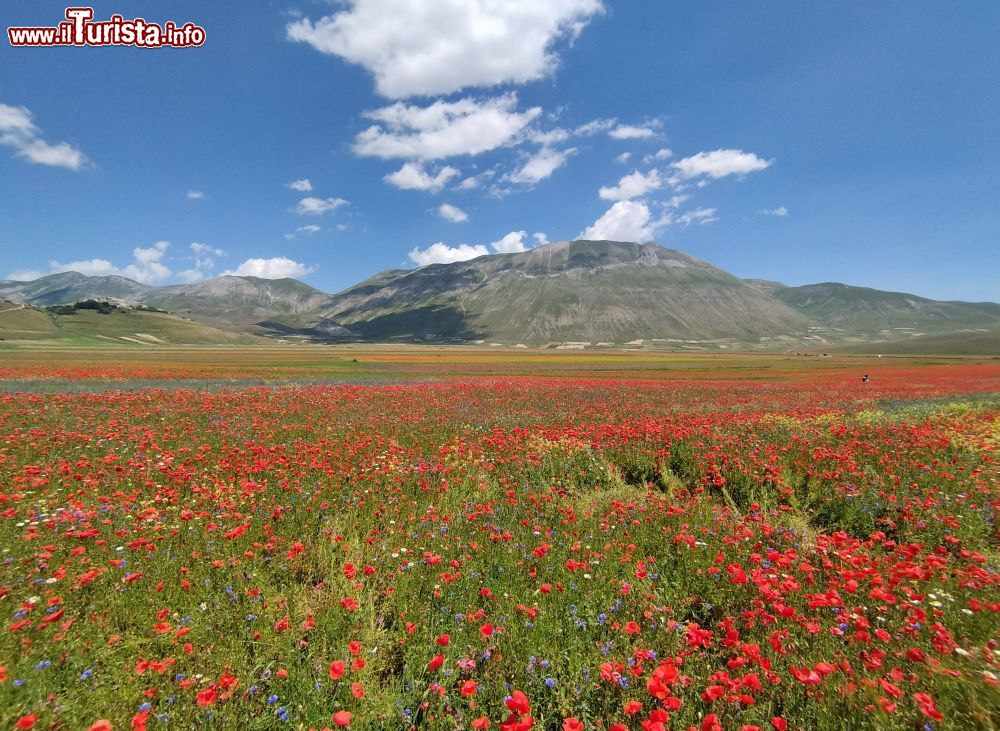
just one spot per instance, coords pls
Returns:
(123, 326)
(964, 343)
(873, 312)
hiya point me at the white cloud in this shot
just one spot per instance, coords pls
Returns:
(624, 221)
(200, 248)
(24, 275)
(192, 275)
(204, 262)
(90, 267)
(512, 243)
(779, 211)
(452, 213)
(698, 215)
(623, 158)
(61, 154)
(195, 195)
(307, 230)
(277, 267)
(303, 186)
(443, 129)
(549, 137)
(633, 185)
(441, 253)
(662, 154)
(147, 265)
(595, 126)
(412, 176)
(16, 121)
(720, 163)
(17, 130)
(540, 166)
(310, 206)
(474, 181)
(631, 132)
(442, 46)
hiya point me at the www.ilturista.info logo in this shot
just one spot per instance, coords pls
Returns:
(80, 29)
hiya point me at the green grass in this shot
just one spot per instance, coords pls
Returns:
(122, 327)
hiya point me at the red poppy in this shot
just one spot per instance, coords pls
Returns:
(208, 696)
(337, 669)
(926, 705)
(518, 702)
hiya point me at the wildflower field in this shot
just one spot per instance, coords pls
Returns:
(539, 542)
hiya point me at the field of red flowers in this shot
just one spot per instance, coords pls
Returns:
(504, 553)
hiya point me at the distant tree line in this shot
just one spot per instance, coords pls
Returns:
(102, 307)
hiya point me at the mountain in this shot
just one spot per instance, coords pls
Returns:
(596, 291)
(57, 289)
(228, 302)
(237, 302)
(873, 313)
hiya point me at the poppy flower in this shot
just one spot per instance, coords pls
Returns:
(518, 703)
(337, 669)
(207, 697)
(926, 705)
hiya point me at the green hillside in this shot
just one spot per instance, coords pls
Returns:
(118, 327)
(888, 315)
(963, 343)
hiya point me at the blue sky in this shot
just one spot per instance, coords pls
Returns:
(796, 141)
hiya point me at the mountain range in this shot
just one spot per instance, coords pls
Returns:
(569, 294)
